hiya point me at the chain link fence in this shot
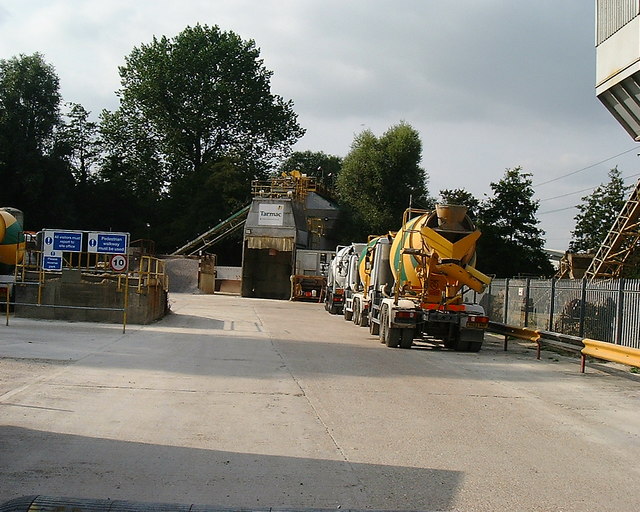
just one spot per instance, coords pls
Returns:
(606, 311)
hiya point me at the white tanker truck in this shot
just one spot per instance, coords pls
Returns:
(340, 277)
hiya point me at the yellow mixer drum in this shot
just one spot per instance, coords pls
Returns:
(450, 221)
(12, 245)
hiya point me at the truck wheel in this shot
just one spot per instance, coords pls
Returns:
(333, 309)
(462, 346)
(406, 338)
(450, 342)
(393, 337)
(356, 311)
(374, 328)
(475, 346)
(390, 336)
(363, 320)
(348, 315)
(381, 319)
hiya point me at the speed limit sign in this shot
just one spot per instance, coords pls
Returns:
(118, 262)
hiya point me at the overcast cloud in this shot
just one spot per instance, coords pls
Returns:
(489, 84)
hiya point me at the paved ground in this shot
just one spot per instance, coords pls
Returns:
(255, 403)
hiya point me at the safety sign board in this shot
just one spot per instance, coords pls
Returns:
(108, 243)
(63, 241)
(56, 242)
(52, 263)
(118, 262)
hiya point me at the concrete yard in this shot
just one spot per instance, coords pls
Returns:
(254, 403)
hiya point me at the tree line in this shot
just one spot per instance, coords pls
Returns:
(196, 123)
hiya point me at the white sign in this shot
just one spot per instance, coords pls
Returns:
(118, 262)
(270, 214)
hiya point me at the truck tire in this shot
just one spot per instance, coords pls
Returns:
(393, 337)
(374, 328)
(356, 311)
(462, 346)
(390, 336)
(406, 338)
(475, 346)
(363, 321)
(348, 315)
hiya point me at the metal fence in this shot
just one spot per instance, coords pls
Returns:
(607, 311)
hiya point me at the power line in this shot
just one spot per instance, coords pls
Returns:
(568, 194)
(558, 210)
(585, 168)
(584, 189)
(575, 206)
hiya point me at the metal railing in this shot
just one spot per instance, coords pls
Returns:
(604, 310)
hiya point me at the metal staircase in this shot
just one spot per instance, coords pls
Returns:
(620, 243)
(215, 234)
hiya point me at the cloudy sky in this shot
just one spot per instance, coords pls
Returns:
(489, 84)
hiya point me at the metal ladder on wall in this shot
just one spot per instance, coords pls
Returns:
(215, 234)
(620, 242)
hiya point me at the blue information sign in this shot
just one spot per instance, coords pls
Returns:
(67, 241)
(108, 243)
(52, 263)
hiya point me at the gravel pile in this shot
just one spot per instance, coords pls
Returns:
(183, 274)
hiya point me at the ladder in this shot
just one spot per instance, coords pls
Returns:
(620, 242)
(215, 234)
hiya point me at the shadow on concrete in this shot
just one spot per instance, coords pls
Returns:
(35, 462)
(236, 349)
(191, 321)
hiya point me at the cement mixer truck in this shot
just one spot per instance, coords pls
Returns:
(417, 280)
(357, 308)
(12, 248)
(353, 282)
(340, 282)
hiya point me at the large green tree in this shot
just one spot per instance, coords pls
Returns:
(81, 141)
(512, 244)
(33, 175)
(205, 95)
(380, 177)
(191, 106)
(597, 213)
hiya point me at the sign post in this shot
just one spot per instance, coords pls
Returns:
(117, 245)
